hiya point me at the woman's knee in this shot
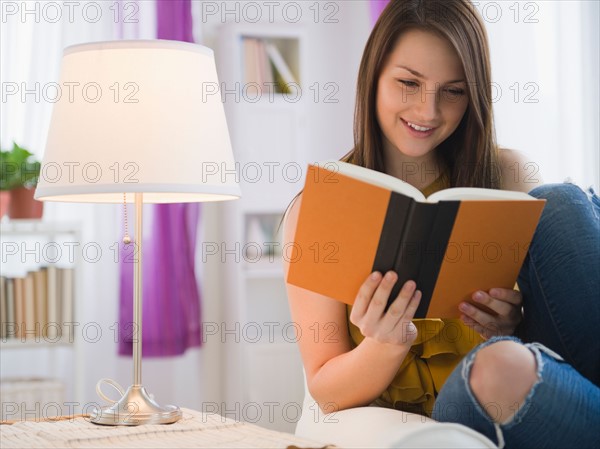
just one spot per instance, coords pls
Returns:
(561, 193)
(567, 207)
(501, 377)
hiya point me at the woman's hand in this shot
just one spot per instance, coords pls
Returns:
(505, 303)
(393, 326)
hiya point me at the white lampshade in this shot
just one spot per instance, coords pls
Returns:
(138, 116)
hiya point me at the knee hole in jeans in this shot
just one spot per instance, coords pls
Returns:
(502, 375)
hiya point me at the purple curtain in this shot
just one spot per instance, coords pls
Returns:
(174, 20)
(376, 7)
(171, 300)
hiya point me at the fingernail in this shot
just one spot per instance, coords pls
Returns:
(464, 307)
(478, 296)
(390, 276)
(375, 275)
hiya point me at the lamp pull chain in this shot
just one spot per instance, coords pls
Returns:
(126, 237)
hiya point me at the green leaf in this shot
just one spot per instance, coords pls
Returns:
(18, 168)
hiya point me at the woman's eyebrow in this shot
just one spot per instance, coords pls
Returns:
(420, 75)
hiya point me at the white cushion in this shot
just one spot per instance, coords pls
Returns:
(376, 427)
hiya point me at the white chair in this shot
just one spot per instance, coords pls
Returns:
(376, 427)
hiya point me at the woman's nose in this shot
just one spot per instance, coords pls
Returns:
(426, 106)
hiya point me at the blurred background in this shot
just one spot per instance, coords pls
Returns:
(243, 362)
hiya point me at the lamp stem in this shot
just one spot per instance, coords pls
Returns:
(136, 406)
(137, 292)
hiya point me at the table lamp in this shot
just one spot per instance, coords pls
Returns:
(142, 119)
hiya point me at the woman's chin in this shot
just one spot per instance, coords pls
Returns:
(414, 153)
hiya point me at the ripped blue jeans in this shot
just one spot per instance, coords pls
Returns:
(562, 409)
(560, 284)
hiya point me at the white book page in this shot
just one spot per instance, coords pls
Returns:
(390, 182)
(476, 193)
(373, 177)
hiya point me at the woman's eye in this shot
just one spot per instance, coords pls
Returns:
(456, 92)
(409, 83)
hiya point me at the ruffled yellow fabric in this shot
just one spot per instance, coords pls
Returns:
(441, 183)
(439, 347)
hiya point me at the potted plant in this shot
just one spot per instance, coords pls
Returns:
(19, 173)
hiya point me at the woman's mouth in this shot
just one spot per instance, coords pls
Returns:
(417, 130)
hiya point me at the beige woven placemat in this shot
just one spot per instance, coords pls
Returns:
(194, 430)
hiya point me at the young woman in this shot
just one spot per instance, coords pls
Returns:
(424, 114)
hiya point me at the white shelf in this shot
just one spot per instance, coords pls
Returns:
(38, 356)
(264, 269)
(36, 227)
(17, 343)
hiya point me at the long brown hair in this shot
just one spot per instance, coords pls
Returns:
(470, 153)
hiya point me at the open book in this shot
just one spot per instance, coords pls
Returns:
(353, 221)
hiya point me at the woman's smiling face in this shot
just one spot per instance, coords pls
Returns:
(421, 94)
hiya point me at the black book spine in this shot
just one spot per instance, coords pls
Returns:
(435, 250)
(415, 238)
(394, 224)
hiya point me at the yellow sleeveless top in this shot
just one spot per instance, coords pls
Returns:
(439, 347)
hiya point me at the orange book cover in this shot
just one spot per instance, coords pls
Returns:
(353, 221)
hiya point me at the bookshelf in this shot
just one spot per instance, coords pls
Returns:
(261, 64)
(42, 258)
(268, 127)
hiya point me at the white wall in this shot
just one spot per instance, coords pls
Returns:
(545, 72)
(337, 32)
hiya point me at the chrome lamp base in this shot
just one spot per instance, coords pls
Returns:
(136, 407)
